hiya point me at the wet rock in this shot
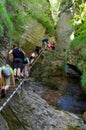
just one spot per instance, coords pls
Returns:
(84, 117)
(72, 70)
(36, 114)
(3, 124)
(63, 33)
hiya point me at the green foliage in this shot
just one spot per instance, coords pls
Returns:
(79, 45)
(1, 29)
(79, 42)
(17, 16)
(83, 80)
(65, 4)
(13, 4)
(83, 52)
(5, 19)
(14, 13)
(79, 20)
(74, 128)
(49, 27)
(18, 19)
(44, 16)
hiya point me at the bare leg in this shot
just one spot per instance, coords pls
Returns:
(26, 70)
(18, 72)
(15, 71)
(6, 87)
(0, 83)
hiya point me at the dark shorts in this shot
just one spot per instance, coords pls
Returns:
(18, 63)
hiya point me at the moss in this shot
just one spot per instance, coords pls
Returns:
(74, 128)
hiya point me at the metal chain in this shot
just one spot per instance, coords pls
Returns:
(5, 103)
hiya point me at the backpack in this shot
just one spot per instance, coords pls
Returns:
(6, 72)
(17, 53)
(26, 60)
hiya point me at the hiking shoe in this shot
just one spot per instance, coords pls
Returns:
(3, 93)
(21, 77)
(15, 76)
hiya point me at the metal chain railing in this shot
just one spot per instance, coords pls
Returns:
(19, 86)
(5, 103)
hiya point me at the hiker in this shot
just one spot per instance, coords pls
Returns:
(26, 63)
(53, 46)
(18, 57)
(32, 57)
(6, 76)
(45, 42)
(0, 79)
(49, 46)
(37, 50)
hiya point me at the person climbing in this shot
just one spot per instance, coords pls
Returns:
(26, 63)
(18, 57)
(32, 57)
(44, 43)
(49, 46)
(0, 79)
(6, 74)
(37, 50)
(53, 45)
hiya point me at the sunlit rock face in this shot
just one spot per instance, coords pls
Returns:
(64, 31)
(55, 4)
(31, 110)
(33, 35)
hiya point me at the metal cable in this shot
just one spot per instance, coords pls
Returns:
(5, 103)
(19, 86)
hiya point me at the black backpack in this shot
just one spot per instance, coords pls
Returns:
(17, 53)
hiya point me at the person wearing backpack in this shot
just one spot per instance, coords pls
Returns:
(26, 63)
(44, 43)
(18, 57)
(37, 50)
(53, 45)
(32, 57)
(6, 74)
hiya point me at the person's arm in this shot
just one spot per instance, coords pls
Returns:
(13, 80)
(23, 52)
(9, 54)
(12, 75)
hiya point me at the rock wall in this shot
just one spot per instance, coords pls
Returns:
(63, 32)
(32, 112)
(3, 124)
(35, 114)
(33, 35)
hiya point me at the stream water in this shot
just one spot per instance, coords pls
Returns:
(74, 100)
